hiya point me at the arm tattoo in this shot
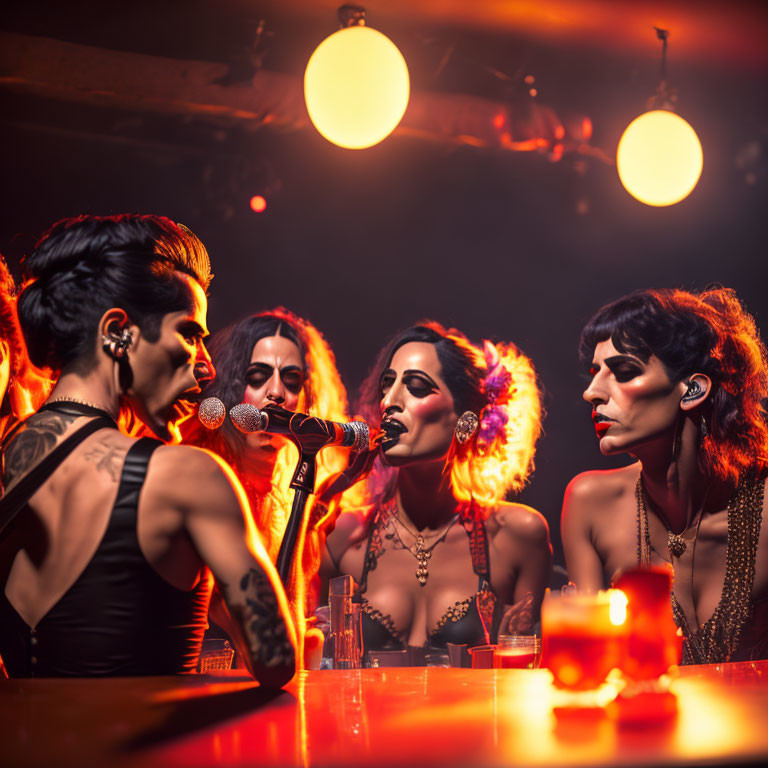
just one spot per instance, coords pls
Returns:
(37, 438)
(263, 622)
(108, 458)
(518, 619)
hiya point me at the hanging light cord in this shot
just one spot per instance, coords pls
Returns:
(663, 35)
(665, 97)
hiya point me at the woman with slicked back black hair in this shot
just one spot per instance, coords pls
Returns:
(109, 544)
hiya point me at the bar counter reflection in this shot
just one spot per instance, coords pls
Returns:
(403, 716)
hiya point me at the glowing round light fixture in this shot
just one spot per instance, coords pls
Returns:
(258, 204)
(659, 158)
(356, 87)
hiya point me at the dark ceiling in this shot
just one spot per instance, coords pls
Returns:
(506, 245)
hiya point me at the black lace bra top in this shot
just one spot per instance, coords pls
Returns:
(472, 621)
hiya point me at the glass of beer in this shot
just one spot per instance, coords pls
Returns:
(583, 635)
(517, 652)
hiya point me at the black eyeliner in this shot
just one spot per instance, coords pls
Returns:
(420, 374)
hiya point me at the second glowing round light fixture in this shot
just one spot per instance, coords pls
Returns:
(356, 84)
(659, 158)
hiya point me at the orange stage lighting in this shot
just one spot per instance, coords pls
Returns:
(258, 204)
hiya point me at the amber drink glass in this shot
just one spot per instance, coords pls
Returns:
(517, 652)
(582, 637)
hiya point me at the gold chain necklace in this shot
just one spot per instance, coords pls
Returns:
(719, 636)
(422, 552)
(676, 544)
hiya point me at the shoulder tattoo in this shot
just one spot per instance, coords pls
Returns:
(37, 438)
(108, 458)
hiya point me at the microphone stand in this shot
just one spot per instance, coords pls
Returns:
(309, 435)
(303, 484)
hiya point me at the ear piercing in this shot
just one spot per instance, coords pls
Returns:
(117, 343)
(466, 426)
(693, 392)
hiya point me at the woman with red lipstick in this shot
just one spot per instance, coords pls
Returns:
(441, 557)
(679, 382)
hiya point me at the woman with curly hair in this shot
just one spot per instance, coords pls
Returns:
(678, 382)
(440, 557)
(275, 357)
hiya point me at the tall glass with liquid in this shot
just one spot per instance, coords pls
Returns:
(346, 624)
(583, 636)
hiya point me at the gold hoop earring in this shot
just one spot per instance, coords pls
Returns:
(466, 426)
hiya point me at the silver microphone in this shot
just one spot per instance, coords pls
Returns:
(302, 429)
(248, 418)
(211, 413)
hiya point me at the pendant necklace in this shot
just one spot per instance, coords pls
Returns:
(676, 544)
(423, 553)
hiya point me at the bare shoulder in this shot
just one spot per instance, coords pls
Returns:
(350, 528)
(592, 491)
(191, 477)
(521, 522)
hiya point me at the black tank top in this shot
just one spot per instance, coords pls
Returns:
(120, 617)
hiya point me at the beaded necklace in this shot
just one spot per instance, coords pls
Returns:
(718, 637)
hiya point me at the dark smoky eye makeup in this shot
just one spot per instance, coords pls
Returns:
(419, 385)
(258, 374)
(624, 368)
(293, 379)
(626, 374)
(625, 371)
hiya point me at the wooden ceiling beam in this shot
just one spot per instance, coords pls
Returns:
(78, 73)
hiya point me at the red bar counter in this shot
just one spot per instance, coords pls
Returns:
(384, 717)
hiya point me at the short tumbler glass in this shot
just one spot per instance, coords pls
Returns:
(517, 652)
(215, 654)
(582, 636)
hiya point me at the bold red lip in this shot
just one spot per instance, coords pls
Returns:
(601, 427)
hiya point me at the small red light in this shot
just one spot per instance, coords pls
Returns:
(258, 204)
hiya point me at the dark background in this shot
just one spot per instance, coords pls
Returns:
(502, 245)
